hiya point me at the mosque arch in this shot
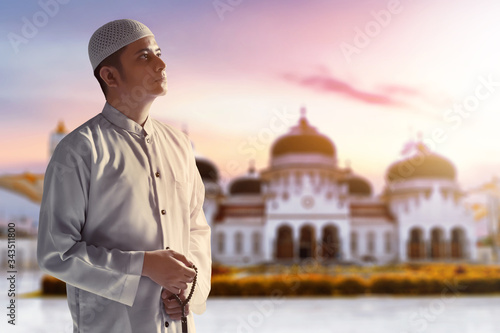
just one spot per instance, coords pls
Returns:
(307, 242)
(330, 242)
(437, 250)
(457, 243)
(416, 244)
(284, 242)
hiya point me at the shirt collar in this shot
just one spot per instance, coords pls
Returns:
(119, 119)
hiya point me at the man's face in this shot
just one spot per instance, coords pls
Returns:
(144, 73)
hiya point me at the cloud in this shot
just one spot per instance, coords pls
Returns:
(328, 84)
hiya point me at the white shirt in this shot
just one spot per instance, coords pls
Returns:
(112, 191)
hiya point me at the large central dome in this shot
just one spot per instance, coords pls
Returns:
(303, 139)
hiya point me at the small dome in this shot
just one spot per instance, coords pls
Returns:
(423, 165)
(61, 129)
(358, 186)
(303, 138)
(208, 171)
(248, 184)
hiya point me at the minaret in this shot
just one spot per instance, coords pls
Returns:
(57, 136)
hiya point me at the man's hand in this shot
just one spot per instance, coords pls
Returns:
(172, 306)
(169, 269)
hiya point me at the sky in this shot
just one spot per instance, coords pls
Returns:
(373, 75)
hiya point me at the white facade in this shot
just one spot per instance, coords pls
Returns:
(307, 208)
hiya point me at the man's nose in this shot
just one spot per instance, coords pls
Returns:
(160, 65)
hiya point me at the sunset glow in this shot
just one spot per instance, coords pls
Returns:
(372, 75)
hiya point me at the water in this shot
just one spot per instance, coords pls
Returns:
(443, 314)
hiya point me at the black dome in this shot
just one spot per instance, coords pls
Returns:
(207, 170)
(358, 186)
(246, 185)
(426, 165)
(303, 138)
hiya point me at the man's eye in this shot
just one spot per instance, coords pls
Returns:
(158, 55)
(145, 56)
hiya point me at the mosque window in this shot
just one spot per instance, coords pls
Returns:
(285, 196)
(238, 243)
(354, 242)
(256, 243)
(388, 242)
(221, 242)
(371, 242)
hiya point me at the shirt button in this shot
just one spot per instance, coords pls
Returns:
(148, 140)
(157, 174)
(163, 212)
(166, 324)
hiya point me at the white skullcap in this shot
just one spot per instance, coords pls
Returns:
(113, 36)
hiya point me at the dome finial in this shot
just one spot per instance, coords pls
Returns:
(303, 123)
(303, 111)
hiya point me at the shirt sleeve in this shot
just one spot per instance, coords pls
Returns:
(62, 253)
(199, 243)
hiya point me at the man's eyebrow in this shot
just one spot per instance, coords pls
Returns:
(147, 50)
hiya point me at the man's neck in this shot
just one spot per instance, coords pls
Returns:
(135, 111)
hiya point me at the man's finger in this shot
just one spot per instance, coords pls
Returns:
(171, 305)
(178, 287)
(182, 259)
(171, 289)
(189, 272)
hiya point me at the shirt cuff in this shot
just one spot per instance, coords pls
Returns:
(133, 278)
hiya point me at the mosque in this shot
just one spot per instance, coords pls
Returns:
(303, 206)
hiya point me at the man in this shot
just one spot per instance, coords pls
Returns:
(121, 219)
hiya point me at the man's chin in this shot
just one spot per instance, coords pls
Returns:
(159, 92)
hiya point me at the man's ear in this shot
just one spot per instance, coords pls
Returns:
(110, 76)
